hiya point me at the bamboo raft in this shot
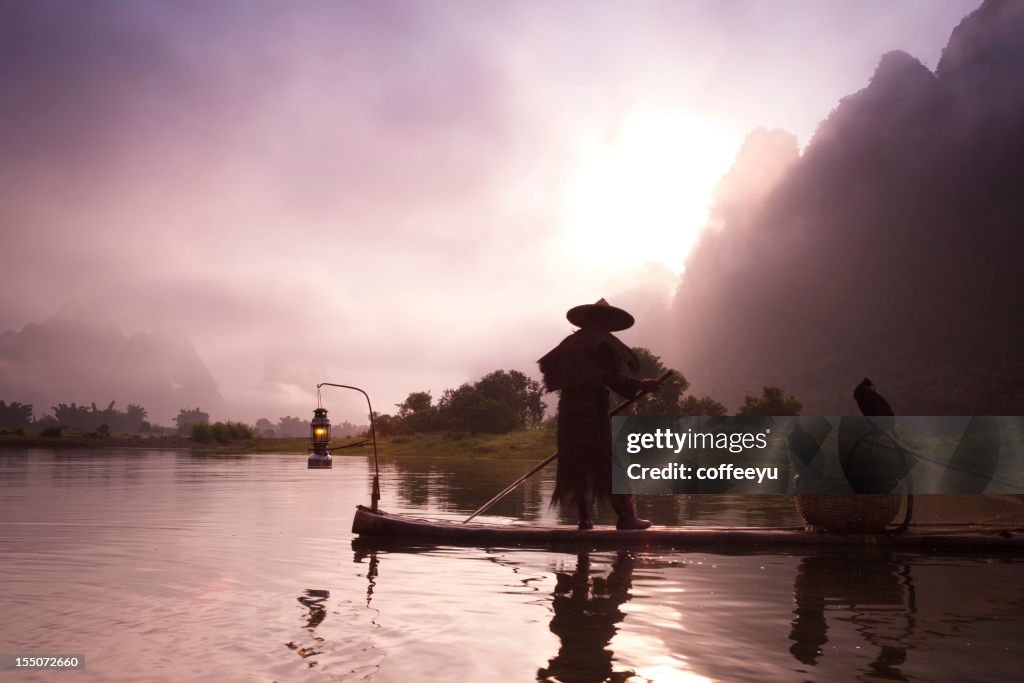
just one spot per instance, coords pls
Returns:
(379, 525)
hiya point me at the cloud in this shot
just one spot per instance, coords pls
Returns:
(368, 190)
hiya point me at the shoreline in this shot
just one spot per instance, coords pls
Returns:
(534, 444)
(160, 443)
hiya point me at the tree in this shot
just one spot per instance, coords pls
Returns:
(384, 425)
(518, 392)
(74, 415)
(292, 427)
(89, 419)
(770, 403)
(703, 406)
(188, 417)
(469, 410)
(417, 414)
(448, 395)
(501, 401)
(669, 399)
(347, 429)
(265, 428)
(415, 402)
(665, 401)
(134, 416)
(16, 415)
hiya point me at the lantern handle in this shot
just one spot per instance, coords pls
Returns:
(375, 494)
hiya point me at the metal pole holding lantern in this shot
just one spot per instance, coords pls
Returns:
(320, 432)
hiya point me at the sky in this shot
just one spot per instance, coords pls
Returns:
(403, 196)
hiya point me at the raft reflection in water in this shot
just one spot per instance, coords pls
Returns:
(692, 616)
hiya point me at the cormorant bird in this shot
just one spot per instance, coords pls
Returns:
(873, 404)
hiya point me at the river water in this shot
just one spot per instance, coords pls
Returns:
(172, 566)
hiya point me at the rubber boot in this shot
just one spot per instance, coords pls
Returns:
(586, 522)
(622, 503)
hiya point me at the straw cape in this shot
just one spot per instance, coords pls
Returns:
(583, 367)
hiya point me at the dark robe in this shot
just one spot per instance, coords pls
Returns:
(583, 368)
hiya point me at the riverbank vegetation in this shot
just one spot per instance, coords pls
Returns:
(503, 402)
(524, 444)
(502, 414)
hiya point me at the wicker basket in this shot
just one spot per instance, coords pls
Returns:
(849, 513)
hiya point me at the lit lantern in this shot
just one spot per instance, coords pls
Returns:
(320, 434)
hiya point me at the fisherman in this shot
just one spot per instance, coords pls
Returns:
(583, 367)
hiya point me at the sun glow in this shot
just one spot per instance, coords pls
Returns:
(642, 193)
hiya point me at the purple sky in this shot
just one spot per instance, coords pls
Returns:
(401, 196)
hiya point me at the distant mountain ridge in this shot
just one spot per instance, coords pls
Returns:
(891, 248)
(67, 359)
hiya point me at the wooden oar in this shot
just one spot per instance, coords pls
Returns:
(539, 466)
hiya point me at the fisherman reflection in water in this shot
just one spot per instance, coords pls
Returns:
(586, 611)
(583, 368)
